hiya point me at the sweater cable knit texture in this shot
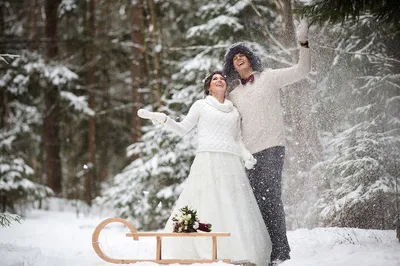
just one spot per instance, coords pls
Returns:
(259, 104)
(218, 126)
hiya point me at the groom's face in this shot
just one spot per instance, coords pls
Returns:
(241, 63)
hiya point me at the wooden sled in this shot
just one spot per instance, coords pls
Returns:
(159, 236)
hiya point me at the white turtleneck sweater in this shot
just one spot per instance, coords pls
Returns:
(218, 126)
(259, 104)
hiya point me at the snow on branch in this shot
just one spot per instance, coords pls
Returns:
(6, 219)
(79, 103)
(4, 56)
(358, 53)
(213, 25)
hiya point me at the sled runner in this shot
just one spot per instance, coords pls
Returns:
(159, 236)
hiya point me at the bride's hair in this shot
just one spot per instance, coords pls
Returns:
(207, 81)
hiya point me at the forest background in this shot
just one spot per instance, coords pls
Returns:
(74, 72)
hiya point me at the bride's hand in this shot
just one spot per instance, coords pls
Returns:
(250, 162)
(154, 116)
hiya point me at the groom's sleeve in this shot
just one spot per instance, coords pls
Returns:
(285, 76)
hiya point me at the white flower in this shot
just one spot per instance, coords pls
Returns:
(195, 225)
(178, 218)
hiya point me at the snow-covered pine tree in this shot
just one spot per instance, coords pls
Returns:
(360, 109)
(18, 120)
(20, 137)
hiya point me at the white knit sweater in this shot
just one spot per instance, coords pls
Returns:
(259, 104)
(218, 126)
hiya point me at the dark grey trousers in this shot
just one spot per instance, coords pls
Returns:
(266, 181)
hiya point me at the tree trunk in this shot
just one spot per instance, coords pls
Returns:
(6, 109)
(304, 148)
(103, 129)
(34, 28)
(148, 72)
(104, 148)
(69, 153)
(307, 148)
(288, 34)
(157, 52)
(51, 7)
(90, 185)
(51, 123)
(138, 71)
(2, 28)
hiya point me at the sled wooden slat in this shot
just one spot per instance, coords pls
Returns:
(153, 234)
(135, 235)
(158, 251)
(187, 261)
(214, 247)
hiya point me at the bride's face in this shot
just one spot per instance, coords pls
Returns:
(217, 84)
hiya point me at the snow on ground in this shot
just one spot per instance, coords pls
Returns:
(49, 238)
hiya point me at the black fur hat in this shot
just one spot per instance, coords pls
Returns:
(229, 70)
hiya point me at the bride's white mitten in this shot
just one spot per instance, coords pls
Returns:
(247, 157)
(154, 116)
(249, 163)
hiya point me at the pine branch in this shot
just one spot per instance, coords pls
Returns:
(11, 56)
(334, 11)
(197, 47)
(358, 53)
(6, 219)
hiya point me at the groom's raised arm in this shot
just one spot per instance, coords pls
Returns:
(285, 76)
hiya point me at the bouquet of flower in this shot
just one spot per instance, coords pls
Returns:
(187, 222)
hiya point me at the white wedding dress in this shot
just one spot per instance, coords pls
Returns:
(218, 189)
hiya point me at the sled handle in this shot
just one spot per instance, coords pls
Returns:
(96, 233)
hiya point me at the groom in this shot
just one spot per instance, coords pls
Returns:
(257, 99)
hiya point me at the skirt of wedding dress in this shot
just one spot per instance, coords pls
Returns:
(218, 189)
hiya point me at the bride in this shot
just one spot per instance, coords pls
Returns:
(217, 186)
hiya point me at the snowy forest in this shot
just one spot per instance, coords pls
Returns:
(73, 74)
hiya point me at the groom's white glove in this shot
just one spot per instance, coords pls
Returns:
(154, 116)
(301, 30)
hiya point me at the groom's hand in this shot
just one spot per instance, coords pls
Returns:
(301, 30)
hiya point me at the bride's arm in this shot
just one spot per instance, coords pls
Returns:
(188, 123)
(180, 128)
(248, 158)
